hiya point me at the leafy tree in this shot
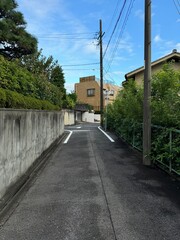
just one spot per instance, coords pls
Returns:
(18, 79)
(166, 97)
(15, 41)
(125, 115)
(70, 100)
(38, 64)
(48, 73)
(57, 77)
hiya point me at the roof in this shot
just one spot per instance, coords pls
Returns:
(81, 107)
(172, 56)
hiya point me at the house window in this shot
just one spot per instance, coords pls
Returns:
(111, 93)
(91, 92)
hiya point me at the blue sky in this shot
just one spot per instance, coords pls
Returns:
(67, 30)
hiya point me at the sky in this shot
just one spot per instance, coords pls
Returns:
(69, 29)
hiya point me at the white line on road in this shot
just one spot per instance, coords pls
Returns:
(81, 130)
(106, 134)
(68, 137)
(78, 127)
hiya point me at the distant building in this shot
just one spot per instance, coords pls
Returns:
(138, 74)
(88, 92)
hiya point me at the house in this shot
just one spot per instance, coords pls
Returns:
(138, 74)
(88, 92)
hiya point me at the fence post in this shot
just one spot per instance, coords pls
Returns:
(133, 141)
(170, 149)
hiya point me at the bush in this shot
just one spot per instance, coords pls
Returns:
(10, 99)
(2, 98)
(18, 79)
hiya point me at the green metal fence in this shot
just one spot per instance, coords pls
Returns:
(165, 148)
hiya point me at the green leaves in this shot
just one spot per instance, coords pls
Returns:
(14, 40)
(18, 79)
(125, 116)
(165, 97)
(10, 99)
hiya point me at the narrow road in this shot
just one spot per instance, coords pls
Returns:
(94, 188)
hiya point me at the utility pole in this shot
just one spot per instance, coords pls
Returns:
(147, 86)
(101, 71)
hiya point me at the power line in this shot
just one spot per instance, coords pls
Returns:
(114, 13)
(80, 69)
(84, 64)
(59, 37)
(175, 4)
(115, 27)
(70, 36)
(66, 34)
(120, 34)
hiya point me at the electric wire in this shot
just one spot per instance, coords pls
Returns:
(114, 14)
(120, 35)
(58, 37)
(80, 69)
(83, 64)
(115, 27)
(66, 34)
(175, 4)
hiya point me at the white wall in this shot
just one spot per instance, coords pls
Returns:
(24, 136)
(88, 117)
(97, 117)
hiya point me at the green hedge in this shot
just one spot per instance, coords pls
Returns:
(15, 78)
(10, 99)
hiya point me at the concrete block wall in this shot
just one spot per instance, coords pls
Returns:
(24, 136)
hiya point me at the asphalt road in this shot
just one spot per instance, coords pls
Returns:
(93, 188)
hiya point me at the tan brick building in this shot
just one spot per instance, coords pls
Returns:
(88, 92)
(138, 74)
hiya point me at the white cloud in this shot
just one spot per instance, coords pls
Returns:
(178, 47)
(157, 39)
(140, 14)
(69, 87)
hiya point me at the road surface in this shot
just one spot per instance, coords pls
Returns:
(94, 188)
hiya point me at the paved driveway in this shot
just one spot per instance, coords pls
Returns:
(94, 188)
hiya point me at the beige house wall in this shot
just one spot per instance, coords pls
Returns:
(139, 77)
(81, 91)
(156, 66)
(91, 83)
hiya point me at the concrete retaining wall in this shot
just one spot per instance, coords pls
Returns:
(24, 136)
(69, 117)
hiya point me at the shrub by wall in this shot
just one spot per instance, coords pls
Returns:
(10, 99)
(16, 78)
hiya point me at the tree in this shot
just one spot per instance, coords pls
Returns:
(70, 100)
(57, 77)
(166, 97)
(15, 41)
(45, 69)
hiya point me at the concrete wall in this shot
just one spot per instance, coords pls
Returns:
(88, 117)
(97, 117)
(69, 117)
(24, 136)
